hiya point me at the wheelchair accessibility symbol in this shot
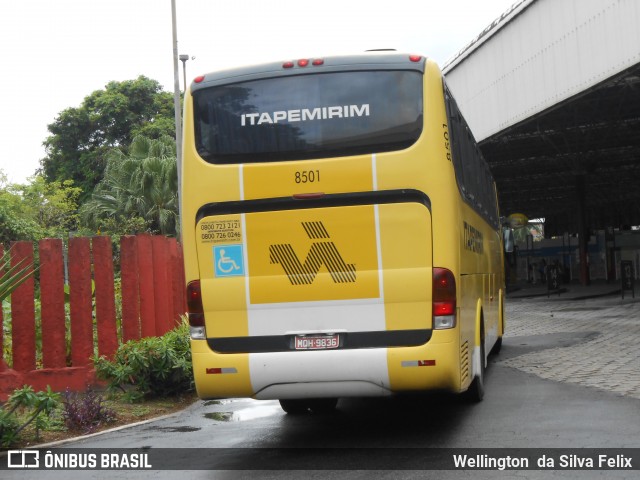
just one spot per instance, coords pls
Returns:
(228, 260)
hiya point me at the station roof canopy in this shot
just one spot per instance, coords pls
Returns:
(551, 91)
(589, 142)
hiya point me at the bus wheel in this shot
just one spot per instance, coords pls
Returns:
(295, 407)
(323, 405)
(475, 393)
(497, 346)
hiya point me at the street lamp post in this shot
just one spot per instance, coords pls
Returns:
(183, 59)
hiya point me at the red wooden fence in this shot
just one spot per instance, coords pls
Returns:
(58, 353)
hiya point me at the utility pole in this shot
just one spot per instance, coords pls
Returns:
(176, 105)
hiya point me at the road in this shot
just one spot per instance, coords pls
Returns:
(565, 378)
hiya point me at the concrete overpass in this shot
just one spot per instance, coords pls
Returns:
(551, 91)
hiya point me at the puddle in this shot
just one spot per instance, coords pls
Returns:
(219, 416)
(177, 429)
(244, 414)
(255, 412)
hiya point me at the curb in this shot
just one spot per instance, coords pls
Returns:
(102, 432)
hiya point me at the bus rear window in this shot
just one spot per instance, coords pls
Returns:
(308, 116)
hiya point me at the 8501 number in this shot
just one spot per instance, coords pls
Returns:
(307, 176)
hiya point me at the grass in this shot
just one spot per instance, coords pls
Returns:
(126, 413)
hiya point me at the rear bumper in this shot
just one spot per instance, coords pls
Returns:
(328, 373)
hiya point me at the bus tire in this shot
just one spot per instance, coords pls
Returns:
(295, 407)
(497, 346)
(323, 405)
(475, 393)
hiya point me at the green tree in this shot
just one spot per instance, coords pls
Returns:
(82, 137)
(139, 189)
(53, 205)
(38, 209)
(13, 224)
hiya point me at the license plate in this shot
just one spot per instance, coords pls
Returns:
(316, 342)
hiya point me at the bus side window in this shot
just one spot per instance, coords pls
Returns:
(472, 172)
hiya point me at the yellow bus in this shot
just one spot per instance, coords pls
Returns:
(341, 233)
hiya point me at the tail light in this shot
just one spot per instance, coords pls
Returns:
(195, 310)
(303, 62)
(444, 299)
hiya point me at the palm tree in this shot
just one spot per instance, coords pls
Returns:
(142, 183)
(12, 277)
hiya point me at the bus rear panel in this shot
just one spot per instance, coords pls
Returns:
(323, 231)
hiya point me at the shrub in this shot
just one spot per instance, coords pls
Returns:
(85, 411)
(150, 367)
(33, 407)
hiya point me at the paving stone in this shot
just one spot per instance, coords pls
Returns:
(609, 361)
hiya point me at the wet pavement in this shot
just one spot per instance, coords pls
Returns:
(568, 376)
(596, 334)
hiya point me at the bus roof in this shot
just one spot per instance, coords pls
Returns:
(372, 60)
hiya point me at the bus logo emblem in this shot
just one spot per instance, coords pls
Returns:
(322, 252)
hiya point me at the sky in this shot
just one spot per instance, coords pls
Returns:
(56, 52)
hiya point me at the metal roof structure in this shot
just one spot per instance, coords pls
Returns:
(589, 143)
(551, 90)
